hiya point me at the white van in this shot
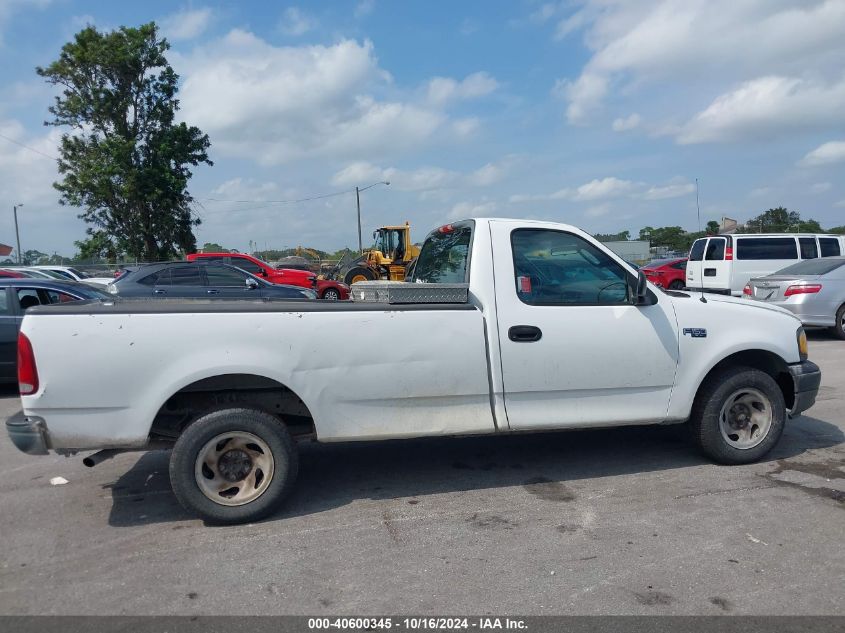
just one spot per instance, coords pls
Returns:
(725, 263)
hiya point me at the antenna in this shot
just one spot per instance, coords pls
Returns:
(704, 254)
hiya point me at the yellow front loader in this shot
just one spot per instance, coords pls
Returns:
(389, 258)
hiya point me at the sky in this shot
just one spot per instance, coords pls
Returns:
(596, 113)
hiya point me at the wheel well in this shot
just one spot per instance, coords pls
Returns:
(764, 361)
(236, 390)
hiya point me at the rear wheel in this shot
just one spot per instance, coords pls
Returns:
(738, 415)
(359, 273)
(233, 466)
(839, 326)
(677, 284)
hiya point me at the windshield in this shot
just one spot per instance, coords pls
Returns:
(444, 257)
(812, 267)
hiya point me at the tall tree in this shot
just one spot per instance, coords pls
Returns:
(126, 162)
(712, 227)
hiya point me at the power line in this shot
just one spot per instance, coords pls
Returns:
(31, 149)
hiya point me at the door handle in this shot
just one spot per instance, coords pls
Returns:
(524, 334)
(159, 291)
(213, 291)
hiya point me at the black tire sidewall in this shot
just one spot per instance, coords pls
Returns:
(333, 292)
(705, 417)
(677, 284)
(837, 326)
(358, 270)
(195, 436)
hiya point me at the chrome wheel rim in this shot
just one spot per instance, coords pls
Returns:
(331, 295)
(745, 418)
(234, 468)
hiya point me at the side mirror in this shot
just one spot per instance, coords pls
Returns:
(641, 297)
(251, 284)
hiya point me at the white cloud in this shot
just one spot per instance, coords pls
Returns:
(628, 123)
(605, 188)
(276, 104)
(364, 7)
(296, 22)
(759, 192)
(825, 154)
(840, 203)
(820, 187)
(442, 90)
(239, 189)
(767, 107)
(9, 7)
(669, 191)
(597, 210)
(466, 127)
(423, 178)
(635, 45)
(186, 25)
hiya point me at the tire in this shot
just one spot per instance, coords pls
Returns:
(331, 294)
(270, 471)
(750, 391)
(839, 327)
(677, 284)
(356, 274)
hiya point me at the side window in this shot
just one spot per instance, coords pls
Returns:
(557, 268)
(680, 265)
(55, 296)
(248, 266)
(761, 248)
(715, 249)
(186, 276)
(161, 278)
(829, 247)
(808, 247)
(220, 276)
(27, 298)
(4, 302)
(696, 253)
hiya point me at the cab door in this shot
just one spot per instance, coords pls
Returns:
(575, 351)
(716, 267)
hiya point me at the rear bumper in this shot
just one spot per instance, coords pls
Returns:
(28, 434)
(806, 378)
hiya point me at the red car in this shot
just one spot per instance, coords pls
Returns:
(667, 273)
(330, 290)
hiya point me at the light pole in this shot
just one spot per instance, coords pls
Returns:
(358, 191)
(17, 233)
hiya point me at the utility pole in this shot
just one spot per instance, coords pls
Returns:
(358, 200)
(17, 232)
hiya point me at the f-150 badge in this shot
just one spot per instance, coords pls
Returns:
(695, 332)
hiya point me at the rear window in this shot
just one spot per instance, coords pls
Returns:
(808, 247)
(829, 247)
(766, 248)
(444, 257)
(715, 249)
(696, 253)
(812, 267)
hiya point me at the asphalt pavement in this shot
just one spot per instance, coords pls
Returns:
(615, 521)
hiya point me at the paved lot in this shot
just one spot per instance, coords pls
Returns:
(622, 521)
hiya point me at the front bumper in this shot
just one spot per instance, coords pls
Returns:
(28, 434)
(806, 378)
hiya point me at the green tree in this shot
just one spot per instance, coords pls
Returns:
(213, 247)
(838, 230)
(622, 236)
(776, 220)
(126, 161)
(98, 245)
(712, 227)
(33, 256)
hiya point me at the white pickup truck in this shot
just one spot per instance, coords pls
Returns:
(512, 326)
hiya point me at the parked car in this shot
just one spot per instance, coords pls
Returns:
(559, 334)
(17, 295)
(207, 280)
(667, 273)
(26, 271)
(73, 274)
(813, 290)
(331, 290)
(254, 266)
(725, 263)
(12, 274)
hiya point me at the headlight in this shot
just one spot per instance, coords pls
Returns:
(111, 288)
(802, 343)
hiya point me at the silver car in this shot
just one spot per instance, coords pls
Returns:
(813, 290)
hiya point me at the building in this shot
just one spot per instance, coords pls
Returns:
(636, 251)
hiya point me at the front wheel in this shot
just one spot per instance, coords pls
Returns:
(331, 294)
(359, 273)
(738, 415)
(233, 466)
